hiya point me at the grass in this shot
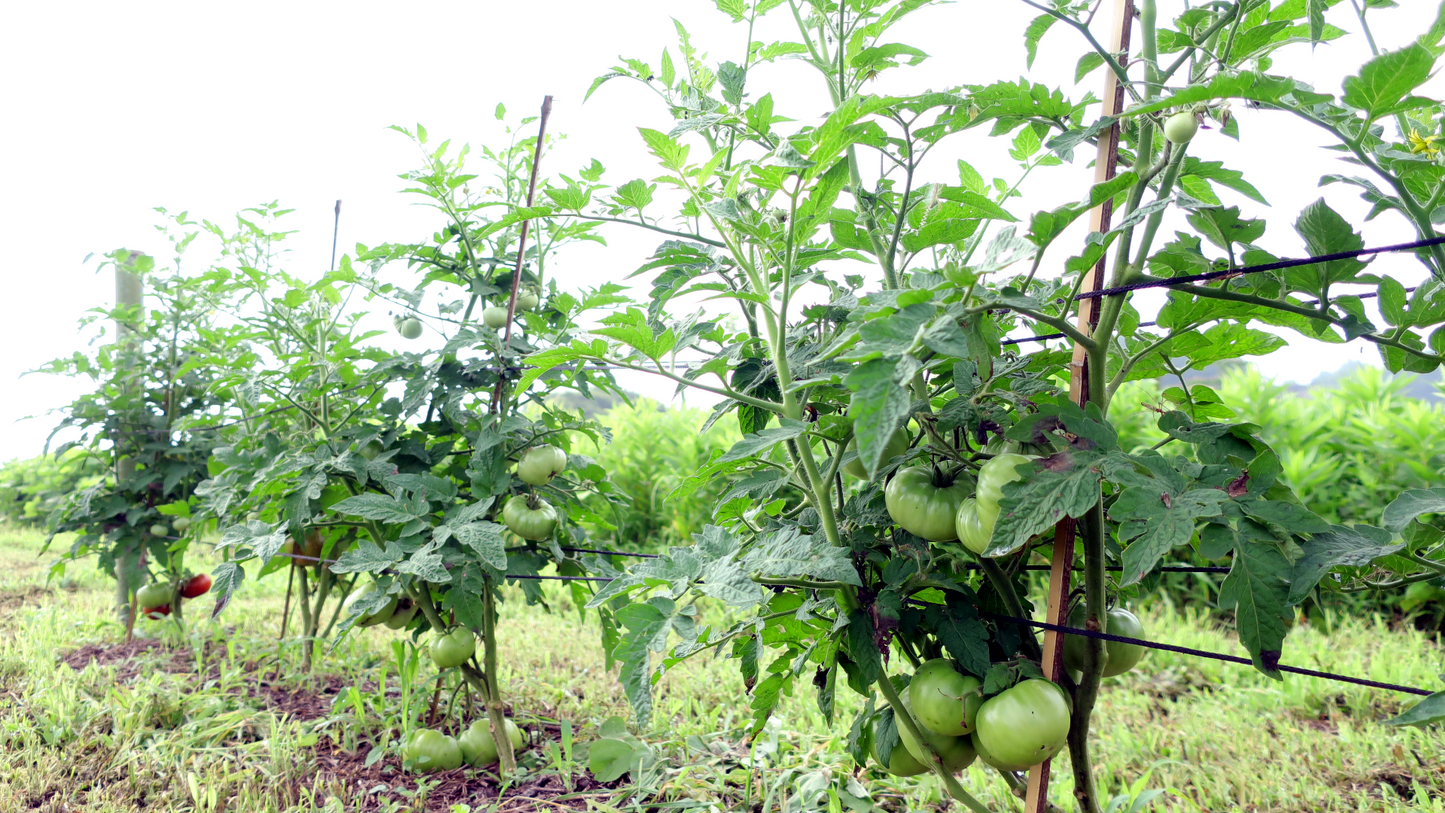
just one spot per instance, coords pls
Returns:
(187, 729)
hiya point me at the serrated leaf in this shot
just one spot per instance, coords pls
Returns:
(485, 539)
(1063, 484)
(961, 631)
(646, 632)
(759, 443)
(1256, 590)
(1157, 522)
(1385, 82)
(1411, 504)
(366, 557)
(1341, 546)
(790, 553)
(379, 507)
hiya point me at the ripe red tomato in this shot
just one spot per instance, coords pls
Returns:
(156, 613)
(198, 585)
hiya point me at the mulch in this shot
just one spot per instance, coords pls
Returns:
(364, 788)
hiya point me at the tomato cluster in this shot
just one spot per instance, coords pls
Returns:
(155, 597)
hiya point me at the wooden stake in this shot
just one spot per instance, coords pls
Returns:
(1037, 798)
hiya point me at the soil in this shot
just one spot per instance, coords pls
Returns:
(338, 772)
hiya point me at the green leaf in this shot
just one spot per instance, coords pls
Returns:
(1255, 589)
(1035, 32)
(1341, 546)
(759, 443)
(647, 626)
(426, 565)
(1392, 301)
(1063, 484)
(1385, 82)
(790, 553)
(879, 404)
(380, 507)
(1325, 232)
(608, 759)
(1245, 85)
(1315, 12)
(672, 154)
(483, 538)
(961, 631)
(1157, 521)
(1086, 65)
(1427, 712)
(366, 557)
(1411, 504)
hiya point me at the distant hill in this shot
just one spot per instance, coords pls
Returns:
(1421, 386)
(599, 404)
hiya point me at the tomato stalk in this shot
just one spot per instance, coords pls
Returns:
(494, 689)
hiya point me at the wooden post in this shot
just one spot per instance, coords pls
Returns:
(1037, 798)
(129, 292)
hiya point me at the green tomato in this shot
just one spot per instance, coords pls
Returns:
(454, 648)
(181, 524)
(409, 328)
(988, 757)
(371, 450)
(900, 762)
(428, 751)
(379, 617)
(154, 594)
(160, 530)
(405, 611)
(528, 522)
(1181, 127)
(1024, 725)
(527, 298)
(495, 317)
(540, 464)
(922, 508)
(478, 747)
(897, 445)
(969, 527)
(956, 752)
(944, 701)
(1118, 658)
(991, 478)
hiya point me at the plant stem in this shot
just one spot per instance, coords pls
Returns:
(1087, 689)
(494, 683)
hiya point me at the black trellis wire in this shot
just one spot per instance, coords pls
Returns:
(1200, 653)
(1181, 650)
(1254, 269)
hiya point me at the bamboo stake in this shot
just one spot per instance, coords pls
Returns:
(1036, 799)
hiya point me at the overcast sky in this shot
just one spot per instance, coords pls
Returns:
(112, 109)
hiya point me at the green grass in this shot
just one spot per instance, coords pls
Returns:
(174, 730)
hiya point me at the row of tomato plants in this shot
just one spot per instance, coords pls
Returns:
(867, 338)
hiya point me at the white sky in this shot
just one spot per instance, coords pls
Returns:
(112, 109)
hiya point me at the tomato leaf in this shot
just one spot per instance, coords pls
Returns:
(1256, 590)
(961, 631)
(646, 626)
(1063, 484)
(1429, 711)
(1411, 504)
(1156, 521)
(1341, 546)
(790, 553)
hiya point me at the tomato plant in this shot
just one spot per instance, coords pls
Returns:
(433, 474)
(872, 285)
(143, 424)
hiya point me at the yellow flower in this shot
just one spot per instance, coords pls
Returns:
(1423, 143)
